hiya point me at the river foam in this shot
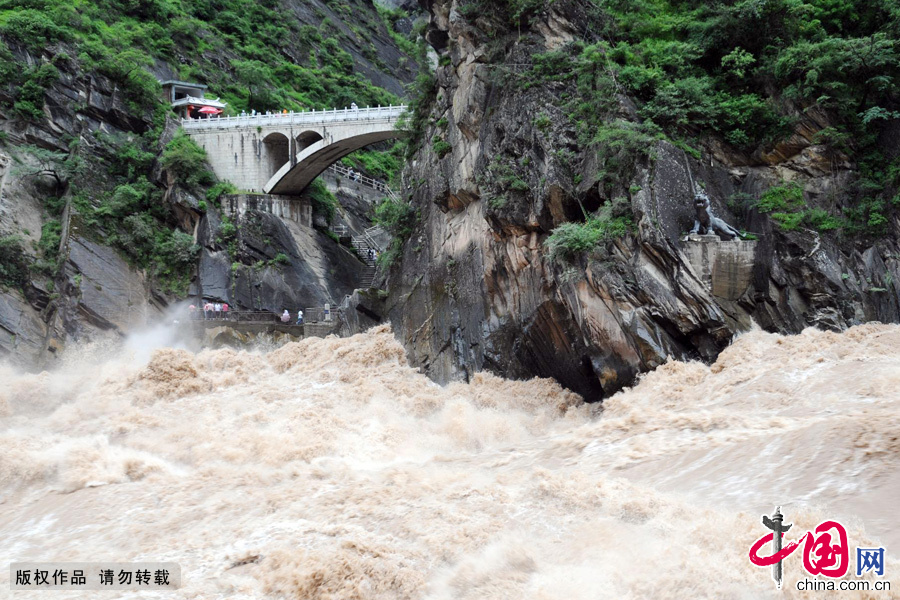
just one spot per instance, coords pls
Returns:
(330, 469)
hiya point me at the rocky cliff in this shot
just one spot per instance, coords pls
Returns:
(71, 274)
(502, 166)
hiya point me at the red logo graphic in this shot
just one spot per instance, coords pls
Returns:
(820, 556)
(826, 551)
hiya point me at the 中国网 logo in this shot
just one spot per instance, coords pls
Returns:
(826, 550)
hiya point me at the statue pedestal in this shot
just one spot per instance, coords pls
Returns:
(704, 238)
(725, 267)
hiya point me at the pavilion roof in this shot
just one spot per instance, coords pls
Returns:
(199, 102)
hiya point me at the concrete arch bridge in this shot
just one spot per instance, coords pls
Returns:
(282, 153)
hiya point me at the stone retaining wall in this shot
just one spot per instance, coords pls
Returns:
(285, 207)
(726, 267)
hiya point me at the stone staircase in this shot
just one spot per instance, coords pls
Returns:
(363, 244)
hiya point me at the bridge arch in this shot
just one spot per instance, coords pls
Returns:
(277, 151)
(310, 162)
(305, 140)
(284, 152)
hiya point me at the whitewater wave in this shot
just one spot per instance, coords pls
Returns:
(329, 468)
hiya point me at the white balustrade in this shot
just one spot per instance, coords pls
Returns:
(311, 117)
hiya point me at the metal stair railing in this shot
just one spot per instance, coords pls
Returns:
(375, 184)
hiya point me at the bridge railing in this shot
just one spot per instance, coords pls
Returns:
(310, 117)
(375, 184)
(243, 316)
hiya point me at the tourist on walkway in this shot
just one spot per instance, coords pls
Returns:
(299, 317)
(192, 312)
(285, 316)
(225, 311)
(218, 310)
(353, 106)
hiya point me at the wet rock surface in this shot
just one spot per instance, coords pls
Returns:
(313, 270)
(474, 288)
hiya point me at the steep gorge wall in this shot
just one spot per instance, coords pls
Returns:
(474, 289)
(92, 290)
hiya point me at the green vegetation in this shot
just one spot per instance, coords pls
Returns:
(390, 17)
(13, 262)
(218, 190)
(440, 147)
(276, 62)
(422, 92)
(786, 206)
(380, 165)
(51, 235)
(130, 214)
(398, 218)
(738, 71)
(30, 101)
(571, 240)
(323, 201)
(59, 166)
(281, 259)
(543, 122)
(186, 161)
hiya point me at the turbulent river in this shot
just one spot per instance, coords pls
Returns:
(330, 469)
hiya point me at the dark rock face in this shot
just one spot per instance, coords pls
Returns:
(22, 332)
(318, 271)
(110, 294)
(475, 288)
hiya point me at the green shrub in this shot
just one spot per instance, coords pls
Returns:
(132, 160)
(543, 122)
(186, 161)
(323, 201)
(34, 28)
(787, 208)
(227, 230)
(30, 101)
(620, 146)
(51, 235)
(781, 198)
(787, 221)
(571, 240)
(381, 165)
(218, 190)
(822, 220)
(440, 147)
(13, 263)
(126, 199)
(396, 216)
(174, 250)
(9, 70)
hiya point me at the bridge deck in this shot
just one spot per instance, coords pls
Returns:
(309, 118)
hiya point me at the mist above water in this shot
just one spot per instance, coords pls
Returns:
(330, 469)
